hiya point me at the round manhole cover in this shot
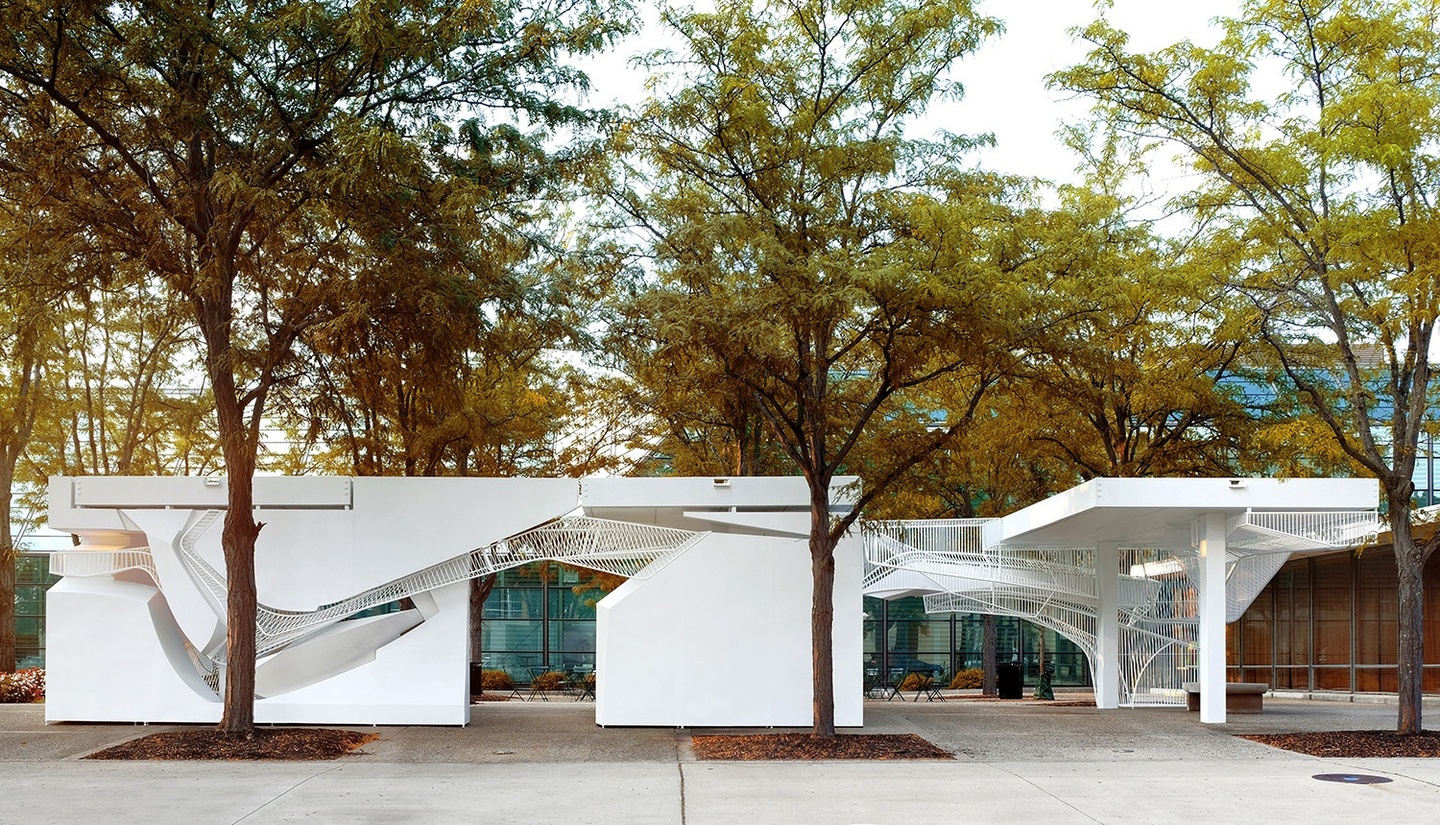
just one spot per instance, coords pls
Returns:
(1351, 778)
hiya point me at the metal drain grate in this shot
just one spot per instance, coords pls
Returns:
(1352, 778)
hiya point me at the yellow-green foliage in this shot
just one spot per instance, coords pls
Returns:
(967, 679)
(553, 680)
(495, 680)
(915, 681)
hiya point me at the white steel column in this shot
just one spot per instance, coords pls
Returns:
(1107, 626)
(1212, 618)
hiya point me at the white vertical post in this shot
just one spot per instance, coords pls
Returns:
(1212, 619)
(1107, 627)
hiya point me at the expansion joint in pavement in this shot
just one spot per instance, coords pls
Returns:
(285, 793)
(1065, 802)
(680, 766)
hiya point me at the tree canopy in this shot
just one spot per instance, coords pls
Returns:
(1319, 202)
(258, 159)
(809, 258)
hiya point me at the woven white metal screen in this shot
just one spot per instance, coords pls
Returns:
(622, 548)
(1055, 587)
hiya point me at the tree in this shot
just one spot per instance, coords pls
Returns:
(244, 152)
(696, 420)
(1321, 204)
(829, 265)
(1138, 376)
(124, 382)
(37, 262)
(420, 373)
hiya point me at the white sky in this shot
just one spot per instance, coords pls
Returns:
(1005, 80)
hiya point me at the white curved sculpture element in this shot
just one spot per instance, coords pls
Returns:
(188, 588)
(333, 548)
(621, 548)
(331, 651)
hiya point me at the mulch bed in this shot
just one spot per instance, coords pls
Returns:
(287, 744)
(489, 697)
(803, 746)
(1354, 744)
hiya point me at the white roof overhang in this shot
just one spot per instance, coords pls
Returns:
(1161, 512)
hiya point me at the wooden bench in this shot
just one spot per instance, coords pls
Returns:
(1240, 697)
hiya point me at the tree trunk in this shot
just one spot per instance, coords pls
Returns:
(479, 591)
(20, 424)
(989, 661)
(239, 446)
(822, 610)
(8, 657)
(1410, 568)
(238, 542)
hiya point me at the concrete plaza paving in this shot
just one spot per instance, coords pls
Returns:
(539, 762)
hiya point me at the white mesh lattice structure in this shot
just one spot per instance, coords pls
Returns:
(1053, 587)
(949, 562)
(82, 563)
(1157, 634)
(1259, 544)
(618, 547)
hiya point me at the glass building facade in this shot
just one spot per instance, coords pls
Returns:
(1330, 623)
(32, 579)
(534, 619)
(900, 635)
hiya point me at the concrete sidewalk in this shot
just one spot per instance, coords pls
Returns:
(544, 763)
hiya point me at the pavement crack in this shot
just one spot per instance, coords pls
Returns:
(1029, 782)
(680, 766)
(285, 793)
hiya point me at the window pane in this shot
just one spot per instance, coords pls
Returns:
(871, 629)
(578, 637)
(572, 662)
(1292, 615)
(34, 569)
(1377, 631)
(514, 603)
(1292, 678)
(1332, 678)
(507, 636)
(1255, 629)
(1261, 675)
(1069, 668)
(564, 604)
(1332, 612)
(1374, 679)
(1432, 680)
(516, 664)
(530, 575)
(910, 607)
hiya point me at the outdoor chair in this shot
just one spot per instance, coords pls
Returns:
(538, 686)
(580, 682)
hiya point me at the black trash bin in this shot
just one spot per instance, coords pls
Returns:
(1011, 680)
(476, 679)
